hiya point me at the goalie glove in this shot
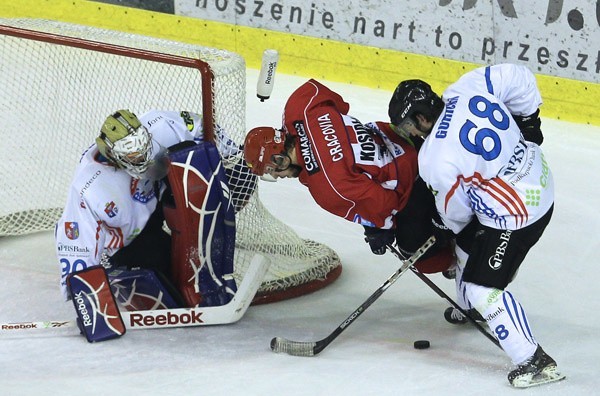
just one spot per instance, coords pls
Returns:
(379, 238)
(530, 127)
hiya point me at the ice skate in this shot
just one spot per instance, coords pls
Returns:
(537, 370)
(450, 273)
(454, 316)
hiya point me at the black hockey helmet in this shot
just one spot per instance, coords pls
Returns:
(412, 97)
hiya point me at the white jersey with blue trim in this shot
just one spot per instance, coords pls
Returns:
(476, 161)
(106, 208)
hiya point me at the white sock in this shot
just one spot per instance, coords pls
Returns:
(506, 319)
(461, 297)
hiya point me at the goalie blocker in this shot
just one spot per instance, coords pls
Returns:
(201, 216)
(98, 315)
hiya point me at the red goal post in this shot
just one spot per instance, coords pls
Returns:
(202, 67)
(59, 82)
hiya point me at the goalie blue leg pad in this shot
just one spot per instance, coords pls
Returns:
(140, 290)
(202, 222)
(98, 315)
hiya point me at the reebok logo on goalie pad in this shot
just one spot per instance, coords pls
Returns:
(80, 305)
(168, 319)
(98, 316)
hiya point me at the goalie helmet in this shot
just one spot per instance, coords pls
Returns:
(262, 149)
(413, 97)
(126, 142)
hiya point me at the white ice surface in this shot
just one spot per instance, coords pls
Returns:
(557, 285)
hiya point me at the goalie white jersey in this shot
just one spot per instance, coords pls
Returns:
(106, 208)
(476, 160)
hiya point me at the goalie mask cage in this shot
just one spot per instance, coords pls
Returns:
(59, 82)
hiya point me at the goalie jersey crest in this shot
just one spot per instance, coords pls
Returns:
(201, 217)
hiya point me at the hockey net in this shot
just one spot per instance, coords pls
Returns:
(59, 82)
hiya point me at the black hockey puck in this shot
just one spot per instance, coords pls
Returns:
(422, 344)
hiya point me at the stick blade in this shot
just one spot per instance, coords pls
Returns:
(295, 348)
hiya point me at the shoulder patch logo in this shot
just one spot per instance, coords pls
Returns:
(111, 209)
(72, 229)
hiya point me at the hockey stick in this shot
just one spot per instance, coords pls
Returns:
(441, 293)
(308, 348)
(177, 317)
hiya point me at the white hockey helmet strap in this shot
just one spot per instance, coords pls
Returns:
(126, 142)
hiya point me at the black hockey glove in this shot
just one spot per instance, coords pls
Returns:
(378, 239)
(531, 127)
(443, 235)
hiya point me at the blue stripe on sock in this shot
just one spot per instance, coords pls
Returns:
(521, 318)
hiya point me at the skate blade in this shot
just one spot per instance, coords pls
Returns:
(547, 375)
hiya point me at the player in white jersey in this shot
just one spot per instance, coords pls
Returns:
(482, 160)
(113, 205)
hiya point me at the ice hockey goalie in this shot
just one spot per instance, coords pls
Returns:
(151, 202)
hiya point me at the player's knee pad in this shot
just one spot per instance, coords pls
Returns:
(202, 222)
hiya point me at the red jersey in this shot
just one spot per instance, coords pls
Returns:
(352, 170)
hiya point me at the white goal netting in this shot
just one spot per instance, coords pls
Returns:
(59, 81)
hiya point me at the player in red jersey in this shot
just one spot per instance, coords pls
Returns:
(364, 173)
